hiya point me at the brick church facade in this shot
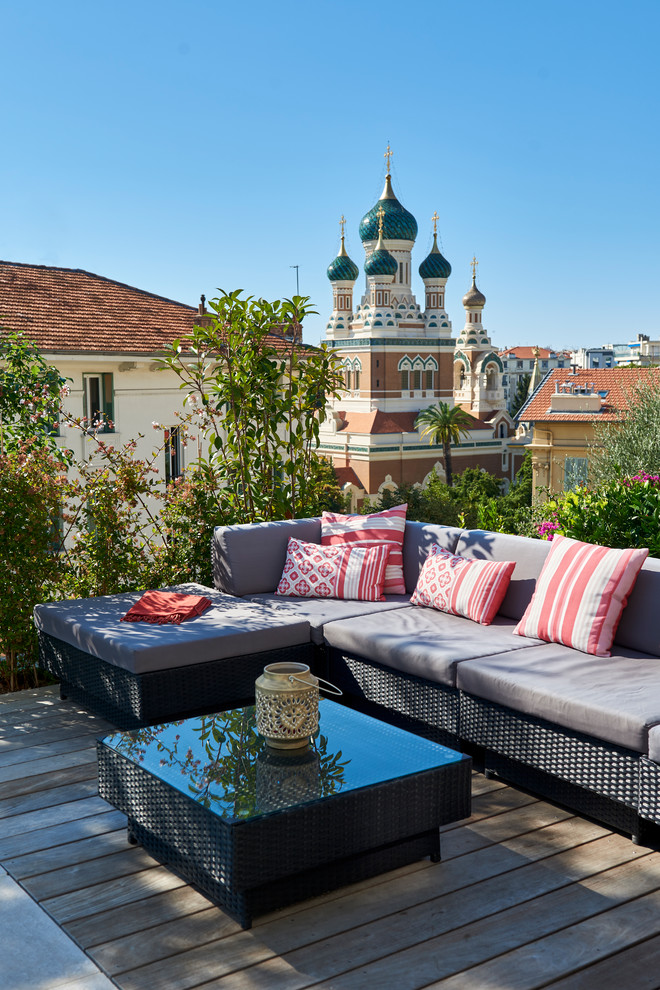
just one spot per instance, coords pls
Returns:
(398, 358)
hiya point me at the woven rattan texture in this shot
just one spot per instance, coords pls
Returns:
(578, 759)
(413, 703)
(277, 856)
(130, 700)
(649, 790)
(584, 802)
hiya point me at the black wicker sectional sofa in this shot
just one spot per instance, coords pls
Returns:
(580, 729)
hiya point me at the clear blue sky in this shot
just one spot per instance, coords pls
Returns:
(181, 147)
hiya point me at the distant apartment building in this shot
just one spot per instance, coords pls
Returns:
(562, 414)
(519, 361)
(642, 352)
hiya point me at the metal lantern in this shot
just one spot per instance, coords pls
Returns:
(287, 702)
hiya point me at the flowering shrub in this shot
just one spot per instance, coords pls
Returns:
(32, 489)
(622, 512)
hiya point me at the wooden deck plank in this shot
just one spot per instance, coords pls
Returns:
(22, 784)
(614, 972)
(52, 836)
(32, 820)
(579, 944)
(47, 797)
(147, 914)
(111, 893)
(343, 921)
(80, 850)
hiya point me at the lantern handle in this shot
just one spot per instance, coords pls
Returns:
(330, 689)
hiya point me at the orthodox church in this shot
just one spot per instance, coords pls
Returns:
(398, 359)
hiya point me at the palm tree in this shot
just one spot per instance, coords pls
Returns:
(444, 424)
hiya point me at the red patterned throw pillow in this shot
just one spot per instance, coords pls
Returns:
(471, 588)
(580, 594)
(388, 525)
(313, 571)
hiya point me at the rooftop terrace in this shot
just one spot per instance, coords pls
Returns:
(527, 895)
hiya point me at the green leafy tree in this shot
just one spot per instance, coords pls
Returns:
(632, 445)
(444, 424)
(31, 393)
(260, 395)
(520, 395)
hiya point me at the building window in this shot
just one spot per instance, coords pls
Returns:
(575, 472)
(544, 364)
(173, 454)
(416, 380)
(405, 380)
(400, 271)
(98, 402)
(502, 429)
(356, 379)
(519, 364)
(505, 460)
(428, 381)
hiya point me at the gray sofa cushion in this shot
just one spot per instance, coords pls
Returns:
(422, 641)
(654, 743)
(613, 698)
(528, 554)
(248, 559)
(417, 541)
(229, 628)
(639, 628)
(318, 611)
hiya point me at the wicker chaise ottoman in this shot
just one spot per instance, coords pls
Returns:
(138, 673)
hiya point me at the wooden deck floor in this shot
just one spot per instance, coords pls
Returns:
(527, 895)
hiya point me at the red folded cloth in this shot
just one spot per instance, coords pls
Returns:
(166, 606)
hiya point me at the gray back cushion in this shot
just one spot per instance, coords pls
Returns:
(417, 541)
(248, 559)
(639, 628)
(528, 554)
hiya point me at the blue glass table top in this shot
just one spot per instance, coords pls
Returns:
(221, 761)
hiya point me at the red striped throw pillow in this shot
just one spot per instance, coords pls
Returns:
(471, 588)
(580, 594)
(313, 571)
(388, 525)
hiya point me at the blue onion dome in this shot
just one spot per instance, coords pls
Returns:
(473, 298)
(343, 269)
(398, 224)
(435, 265)
(380, 261)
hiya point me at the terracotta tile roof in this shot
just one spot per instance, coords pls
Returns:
(391, 422)
(69, 310)
(615, 382)
(346, 475)
(527, 353)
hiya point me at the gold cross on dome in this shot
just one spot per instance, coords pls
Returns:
(380, 213)
(435, 219)
(341, 224)
(474, 267)
(388, 154)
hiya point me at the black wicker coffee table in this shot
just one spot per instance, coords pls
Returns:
(255, 829)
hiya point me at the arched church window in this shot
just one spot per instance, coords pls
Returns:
(405, 380)
(416, 379)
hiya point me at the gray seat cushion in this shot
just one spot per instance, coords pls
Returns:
(613, 698)
(422, 641)
(230, 628)
(319, 611)
(654, 743)
(528, 554)
(248, 559)
(639, 628)
(417, 541)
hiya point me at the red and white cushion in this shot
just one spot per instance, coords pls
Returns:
(388, 525)
(313, 571)
(580, 594)
(471, 588)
